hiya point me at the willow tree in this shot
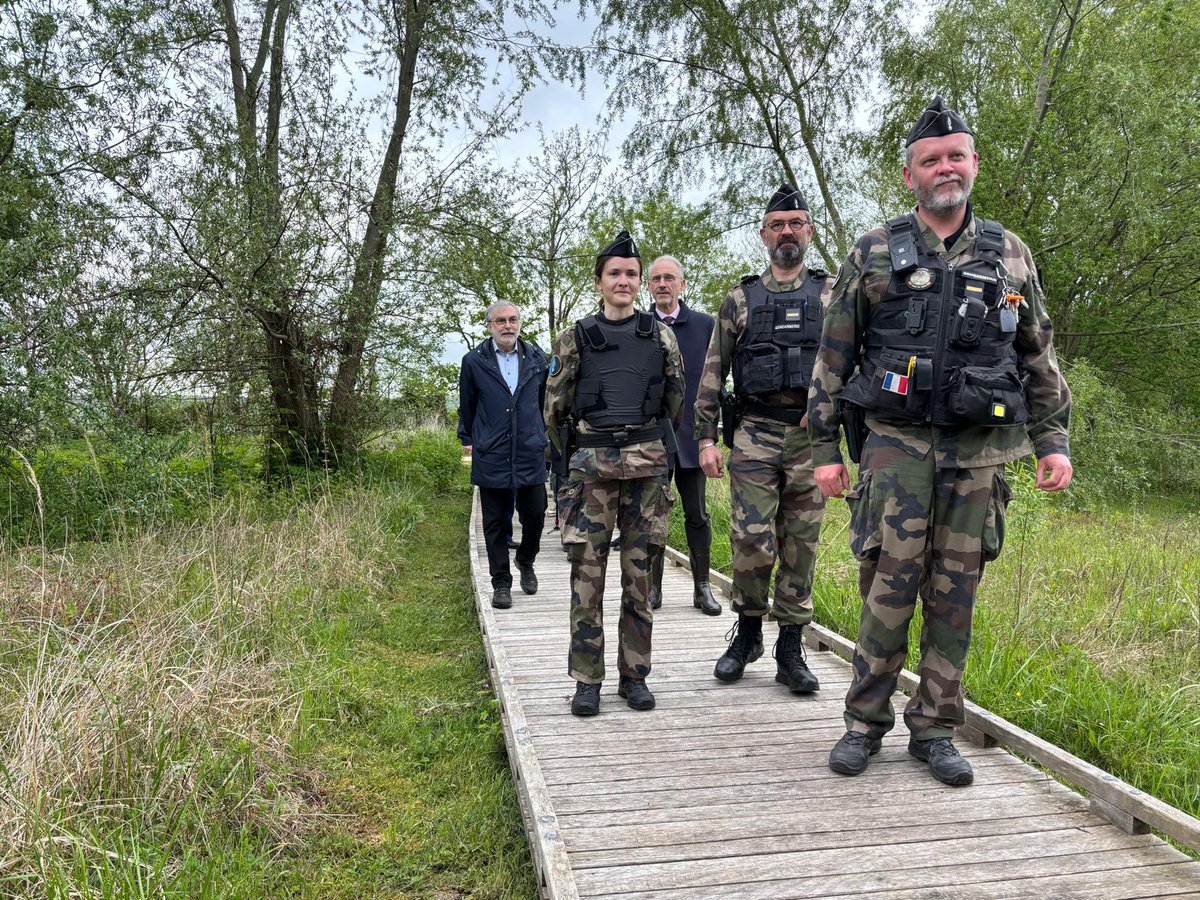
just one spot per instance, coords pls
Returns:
(749, 93)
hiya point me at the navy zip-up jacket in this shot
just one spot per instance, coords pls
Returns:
(505, 430)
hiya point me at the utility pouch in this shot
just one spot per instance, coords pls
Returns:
(982, 395)
(967, 326)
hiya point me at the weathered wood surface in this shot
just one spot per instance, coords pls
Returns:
(723, 790)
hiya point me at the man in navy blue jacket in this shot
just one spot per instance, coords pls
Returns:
(501, 389)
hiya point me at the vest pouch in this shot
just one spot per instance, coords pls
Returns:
(759, 369)
(901, 389)
(983, 395)
(799, 366)
(966, 324)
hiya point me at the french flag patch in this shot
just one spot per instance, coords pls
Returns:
(896, 383)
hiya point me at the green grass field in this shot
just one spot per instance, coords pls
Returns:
(287, 696)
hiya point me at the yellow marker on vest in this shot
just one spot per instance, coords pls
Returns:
(912, 361)
(998, 410)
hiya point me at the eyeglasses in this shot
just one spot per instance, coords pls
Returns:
(794, 224)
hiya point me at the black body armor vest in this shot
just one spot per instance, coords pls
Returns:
(783, 332)
(622, 372)
(939, 346)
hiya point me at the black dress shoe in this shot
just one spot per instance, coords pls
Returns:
(502, 596)
(512, 545)
(704, 600)
(529, 582)
(586, 701)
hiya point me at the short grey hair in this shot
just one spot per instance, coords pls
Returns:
(908, 151)
(498, 305)
(667, 258)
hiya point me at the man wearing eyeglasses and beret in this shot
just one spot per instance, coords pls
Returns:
(768, 330)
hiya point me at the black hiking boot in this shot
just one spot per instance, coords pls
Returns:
(851, 754)
(586, 701)
(529, 582)
(745, 646)
(790, 667)
(635, 693)
(501, 596)
(945, 763)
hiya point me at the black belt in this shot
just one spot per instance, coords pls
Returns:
(789, 415)
(621, 438)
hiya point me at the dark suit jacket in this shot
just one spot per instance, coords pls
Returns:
(693, 329)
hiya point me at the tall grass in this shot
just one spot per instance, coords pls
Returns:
(157, 689)
(1087, 629)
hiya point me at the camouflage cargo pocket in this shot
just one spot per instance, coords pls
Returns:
(866, 537)
(570, 515)
(660, 513)
(993, 522)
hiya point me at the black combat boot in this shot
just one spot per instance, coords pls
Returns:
(702, 594)
(851, 754)
(586, 701)
(745, 646)
(944, 761)
(790, 667)
(635, 693)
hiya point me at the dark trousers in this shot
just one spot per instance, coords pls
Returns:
(531, 510)
(690, 485)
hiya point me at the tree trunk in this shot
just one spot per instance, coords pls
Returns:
(368, 268)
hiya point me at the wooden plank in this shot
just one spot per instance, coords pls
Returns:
(1122, 797)
(556, 881)
(724, 790)
(858, 870)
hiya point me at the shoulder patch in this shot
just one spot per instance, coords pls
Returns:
(555, 365)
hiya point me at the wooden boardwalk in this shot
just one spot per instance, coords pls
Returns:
(723, 790)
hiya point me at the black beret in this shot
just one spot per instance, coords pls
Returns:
(623, 247)
(786, 198)
(936, 121)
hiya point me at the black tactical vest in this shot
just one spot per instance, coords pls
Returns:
(622, 372)
(783, 332)
(939, 346)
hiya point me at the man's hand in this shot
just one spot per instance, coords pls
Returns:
(712, 461)
(832, 480)
(1054, 472)
(466, 449)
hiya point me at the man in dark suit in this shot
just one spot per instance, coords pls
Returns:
(501, 389)
(693, 329)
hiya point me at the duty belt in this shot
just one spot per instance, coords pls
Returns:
(789, 415)
(621, 438)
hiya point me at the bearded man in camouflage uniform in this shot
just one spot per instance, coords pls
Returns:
(768, 330)
(937, 338)
(616, 376)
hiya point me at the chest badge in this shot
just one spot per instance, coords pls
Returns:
(919, 279)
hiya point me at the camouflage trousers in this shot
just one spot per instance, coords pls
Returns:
(918, 531)
(777, 511)
(589, 510)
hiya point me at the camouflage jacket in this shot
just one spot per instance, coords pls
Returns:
(859, 289)
(731, 322)
(635, 460)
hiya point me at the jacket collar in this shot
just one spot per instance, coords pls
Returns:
(681, 314)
